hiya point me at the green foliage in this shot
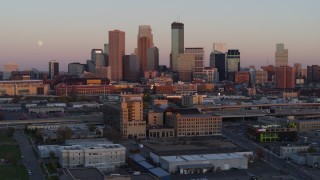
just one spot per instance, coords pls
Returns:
(64, 133)
(10, 131)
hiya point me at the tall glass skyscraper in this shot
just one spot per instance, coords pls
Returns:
(233, 63)
(177, 43)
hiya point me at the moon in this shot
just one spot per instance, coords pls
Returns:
(40, 43)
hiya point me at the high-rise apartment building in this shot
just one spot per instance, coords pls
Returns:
(131, 68)
(233, 63)
(145, 41)
(125, 114)
(53, 69)
(116, 53)
(211, 74)
(153, 59)
(177, 43)
(281, 55)
(199, 61)
(285, 77)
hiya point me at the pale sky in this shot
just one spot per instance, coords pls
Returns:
(71, 28)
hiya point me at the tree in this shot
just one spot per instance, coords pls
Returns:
(260, 153)
(10, 131)
(92, 127)
(64, 133)
(11, 158)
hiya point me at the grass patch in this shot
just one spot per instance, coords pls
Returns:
(13, 172)
(5, 139)
(14, 149)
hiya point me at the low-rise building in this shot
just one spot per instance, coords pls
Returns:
(160, 132)
(23, 87)
(308, 125)
(194, 124)
(287, 151)
(101, 155)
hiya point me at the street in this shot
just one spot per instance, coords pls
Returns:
(29, 159)
(277, 162)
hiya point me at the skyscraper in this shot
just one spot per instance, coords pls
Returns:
(199, 61)
(185, 66)
(219, 48)
(281, 55)
(116, 53)
(153, 59)
(97, 56)
(313, 74)
(219, 61)
(285, 77)
(8, 68)
(145, 41)
(177, 43)
(131, 68)
(76, 68)
(233, 63)
(53, 69)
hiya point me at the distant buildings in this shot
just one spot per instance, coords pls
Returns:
(145, 41)
(76, 69)
(281, 55)
(270, 69)
(177, 43)
(153, 59)
(242, 77)
(8, 68)
(116, 53)
(185, 67)
(285, 77)
(131, 68)
(261, 77)
(199, 61)
(53, 69)
(313, 74)
(211, 74)
(23, 87)
(233, 63)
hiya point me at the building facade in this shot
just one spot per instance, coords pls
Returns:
(194, 125)
(131, 68)
(153, 59)
(242, 77)
(199, 61)
(76, 69)
(145, 41)
(185, 67)
(285, 77)
(233, 63)
(53, 69)
(23, 87)
(177, 43)
(281, 55)
(125, 114)
(116, 53)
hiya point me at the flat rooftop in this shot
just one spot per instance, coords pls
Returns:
(190, 146)
(86, 174)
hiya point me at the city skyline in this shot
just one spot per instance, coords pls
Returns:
(33, 33)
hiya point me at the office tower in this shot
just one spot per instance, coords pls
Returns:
(116, 53)
(220, 63)
(270, 69)
(285, 77)
(98, 57)
(91, 66)
(313, 74)
(199, 61)
(8, 68)
(153, 59)
(53, 69)
(233, 63)
(252, 72)
(219, 48)
(281, 56)
(261, 77)
(185, 67)
(177, 43)
(131, 68)
(125, 115)
(106, 54)
(103, 72)
(145, 41)
(298, 70)
(76, 69)
(211, 74)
